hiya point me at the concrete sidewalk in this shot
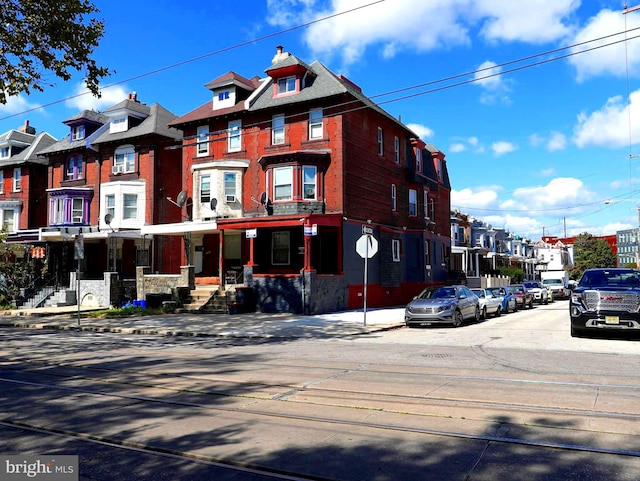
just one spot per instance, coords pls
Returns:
(262, 325)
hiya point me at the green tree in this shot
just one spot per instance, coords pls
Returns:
(17, 271)
(590, 252)
(42, 36)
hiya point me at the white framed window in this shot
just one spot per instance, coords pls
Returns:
(8, 220)
(282, 183)
(77, 210)
(202, 134)
(394, 197)
(110, 205)
(395, 249)
(380, 141)
(309, 182)
(396, 150)
(280, 248)
(74, 167)
(277, 129)
(124, 159)
(77, 132)
(119, 124)
(205, 188)
(418, 160)
(58, 211)
(234, 136)
(5, 152)
(230, 193)
(413, 202)
(17, 179)
(315, 124)
(223, 95)
(130, 206)
(286, 85)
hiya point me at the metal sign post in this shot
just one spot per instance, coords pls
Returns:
(366, 247)
(78, 254)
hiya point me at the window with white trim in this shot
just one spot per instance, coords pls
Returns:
(394, 197)
(280, 248)
(315, 124)
(396, 150)
(17, 179)
(286, 85)
(110, 205)
(418, 160)
(282, 183)
(277, 129)
(8, 220)
(380, 141)
(120, 124)
(395, 249)
(77, 210)
(309, 182)
(202, 134)
(77, 132)
(413, 202)
(205, 188)
(130, 206)
(5, 152)
(124, 159)
(234, 136)
(230, 193)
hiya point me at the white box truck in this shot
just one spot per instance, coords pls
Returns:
(557, 282)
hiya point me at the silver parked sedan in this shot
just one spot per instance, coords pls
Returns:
(442, 304)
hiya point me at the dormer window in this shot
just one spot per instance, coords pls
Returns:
(224, 95)
(225, 98)
(286, 85)
(5, 152)
(418, 160)
(119, 124)
(77, 132)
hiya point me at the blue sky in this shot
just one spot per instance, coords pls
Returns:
(533, 149)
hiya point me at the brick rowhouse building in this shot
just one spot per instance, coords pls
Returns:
(106, 179)
(281, 173)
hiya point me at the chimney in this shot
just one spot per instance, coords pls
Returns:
(26, 128)
(133, 96)
(280, 54)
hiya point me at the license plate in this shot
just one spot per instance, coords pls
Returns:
(612, 320)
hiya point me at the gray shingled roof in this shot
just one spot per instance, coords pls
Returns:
(16, 136)
(156, 123)
(31, 155)
(90, 115)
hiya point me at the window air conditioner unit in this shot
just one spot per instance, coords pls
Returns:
(229, 198)
(117, 169)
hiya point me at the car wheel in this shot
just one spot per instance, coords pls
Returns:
(483, 313)
(575, 332)
(506, 308)
(477, 314)
(546, 300)
(499, 311)
(531, 304)
(457, 319)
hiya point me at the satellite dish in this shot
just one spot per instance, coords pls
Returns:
(213, 203)
(263, 198)
(108, 218)
(182, 198)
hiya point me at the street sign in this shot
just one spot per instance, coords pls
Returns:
(367, 246)
(367, 230)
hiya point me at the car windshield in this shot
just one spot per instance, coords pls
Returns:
(478, 292)
(531, 285)
(605, 278)
(496, 291)
(438, 293)
(553, 281)
(517, 289)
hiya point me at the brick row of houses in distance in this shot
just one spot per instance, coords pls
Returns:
(267, 185)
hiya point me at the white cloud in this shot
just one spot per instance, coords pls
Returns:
(608, 60)
(457, 147)
(422, 131)
(17, 104)
(557, 141)
(560, 194)
(501, 148)
(609, 126)
(494, 85)
(548, 172)
(83, 99)
(394, 27)
(471, 144)
(477, 199)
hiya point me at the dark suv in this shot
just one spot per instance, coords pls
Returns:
(606, 299)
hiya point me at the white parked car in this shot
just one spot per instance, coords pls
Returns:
(489, 302)
(539, 291)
